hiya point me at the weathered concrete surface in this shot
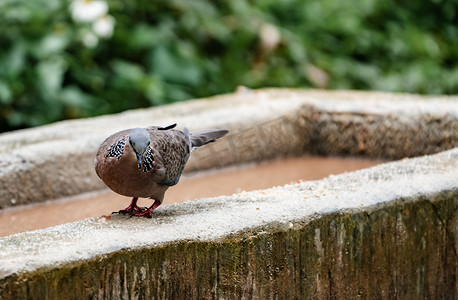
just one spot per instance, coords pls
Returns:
(53, 161)
(385, 232)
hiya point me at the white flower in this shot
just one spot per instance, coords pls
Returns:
(270, 37)
(88, 10)
(89, 39)
(104, 26)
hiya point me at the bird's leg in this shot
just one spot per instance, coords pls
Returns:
(132, 208)
(147, 213)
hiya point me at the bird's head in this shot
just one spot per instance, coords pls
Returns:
(139, 140)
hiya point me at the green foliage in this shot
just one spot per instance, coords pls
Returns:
(165, 51)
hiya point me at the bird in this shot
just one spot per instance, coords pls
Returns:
(145, 162)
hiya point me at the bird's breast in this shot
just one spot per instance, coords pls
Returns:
(123, 176)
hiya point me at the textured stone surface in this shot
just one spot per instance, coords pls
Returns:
(391, 136)
(53, 161)
(385, 232)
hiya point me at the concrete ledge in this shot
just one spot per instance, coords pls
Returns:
(53, 161)
(389, 231)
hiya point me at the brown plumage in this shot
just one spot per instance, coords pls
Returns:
(145, 162)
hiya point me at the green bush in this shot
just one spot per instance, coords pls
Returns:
(165, 51)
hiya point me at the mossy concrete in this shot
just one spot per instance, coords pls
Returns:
(56, 160)
(385, 232)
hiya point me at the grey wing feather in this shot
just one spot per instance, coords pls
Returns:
(204, 137)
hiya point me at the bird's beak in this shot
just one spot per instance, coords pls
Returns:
(139, 160)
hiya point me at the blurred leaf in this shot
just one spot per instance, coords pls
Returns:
(13, 61)
(73, 96)
(178, 94)
(50, 45)
(155, 90)
(5, 93)
(171, 66)
(128, 72)
(50, 75)
(144, 36)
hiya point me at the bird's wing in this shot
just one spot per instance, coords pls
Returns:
(173, 149)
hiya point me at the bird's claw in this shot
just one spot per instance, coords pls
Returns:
(144, 214)
(131, 210)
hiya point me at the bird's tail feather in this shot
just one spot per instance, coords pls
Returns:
(204, 137)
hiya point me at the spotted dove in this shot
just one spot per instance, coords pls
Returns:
(145, 162)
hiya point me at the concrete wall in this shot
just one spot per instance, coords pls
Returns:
(53, 161)
(385, 232)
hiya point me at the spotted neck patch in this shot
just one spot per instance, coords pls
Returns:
(148, 160)
(117, 149)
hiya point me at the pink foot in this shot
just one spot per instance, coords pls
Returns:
(148, 212)
(132, 209)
